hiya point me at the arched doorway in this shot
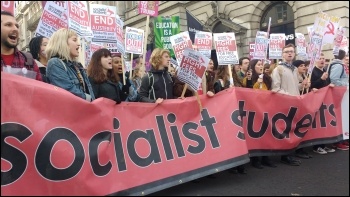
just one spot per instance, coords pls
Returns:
(282, 20)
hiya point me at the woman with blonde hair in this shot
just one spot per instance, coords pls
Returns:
(157, 85)
(62, 68)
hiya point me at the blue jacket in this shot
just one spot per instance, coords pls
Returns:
(66, 77)
(337, 76)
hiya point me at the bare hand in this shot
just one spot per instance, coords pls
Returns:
(331, 85)
(324, 76)
(314, 89)
(181, 97)
(210, 94)
(159, 100)
(260, 80)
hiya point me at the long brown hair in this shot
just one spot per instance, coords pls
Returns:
(95, 69)
(222, 73)
(266, 78)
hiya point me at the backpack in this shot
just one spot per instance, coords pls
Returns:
(29, 63)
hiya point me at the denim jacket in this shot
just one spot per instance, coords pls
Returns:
(66, 77)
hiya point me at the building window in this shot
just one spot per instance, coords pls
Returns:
(280, 13)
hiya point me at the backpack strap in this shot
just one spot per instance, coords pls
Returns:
(330, 67)
(29, 63)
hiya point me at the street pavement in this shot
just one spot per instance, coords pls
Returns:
(322, 175)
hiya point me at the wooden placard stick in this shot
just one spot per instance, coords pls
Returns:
(131, 61)
(145, 42)
(184, 90)
(199, 102)
(123, 69)
(230, 74)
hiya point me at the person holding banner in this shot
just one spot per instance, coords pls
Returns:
(254, 80)
(128, 91)
(303, 83)
(285, 81)
(262, 81)
(338, 77)
(37, 46)
(103, 80)
(157, 85)
(12, 60)
(320, 79)
(139, 72)
(62, 69)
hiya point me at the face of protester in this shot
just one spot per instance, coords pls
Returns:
(211, 65)
(302, 69)
(245, 64)
(171, 70)
(165, 59)
(117, 63)
(236, 67)
(267, 71)
(106, 62)
(73, 45)
(141, 72)
(259, 67)
(43, 47)
(288, 54)
(9, 32)
(321, 62)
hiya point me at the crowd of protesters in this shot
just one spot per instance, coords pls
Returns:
(55, 62)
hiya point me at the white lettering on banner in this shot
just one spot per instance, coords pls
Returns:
(79, 12)
(103, 20)
(166, 25)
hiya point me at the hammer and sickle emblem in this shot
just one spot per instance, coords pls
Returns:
(330, 27)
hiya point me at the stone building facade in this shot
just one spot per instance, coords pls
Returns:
(244, 18)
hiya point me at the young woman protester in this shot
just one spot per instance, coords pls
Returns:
(37, 46)
(128, 91)
(62, 68)
(138, 73)
(257, 79)
(103, 80)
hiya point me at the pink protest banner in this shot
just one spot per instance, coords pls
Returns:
(8, 6)
(62, 145)
(251, 49)
(277, 42)
(78, 19)
(179, 43)
(261, 44)
(204, 42)
(134, 40)
(300, 45)
(192, 68)
(226, 49)
(148, 7)
(54, 17)
(103, 23)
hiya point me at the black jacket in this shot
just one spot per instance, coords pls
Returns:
(106, 89)
(156, 84)
(316, 81)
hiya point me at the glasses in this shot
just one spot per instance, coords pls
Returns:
(288, 51)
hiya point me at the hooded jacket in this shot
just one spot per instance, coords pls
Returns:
(156, 84)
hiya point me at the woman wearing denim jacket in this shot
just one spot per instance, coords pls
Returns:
(62, 69)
